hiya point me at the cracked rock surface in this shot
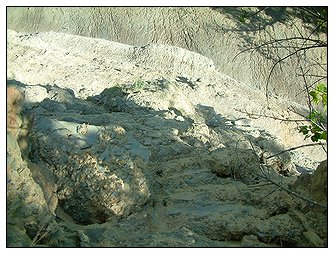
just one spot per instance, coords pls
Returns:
(144, 155)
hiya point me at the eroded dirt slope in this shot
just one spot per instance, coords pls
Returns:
(220, 34)
(146, 146)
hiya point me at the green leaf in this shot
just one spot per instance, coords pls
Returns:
(320, 135)
(324, 99)
(315, 138)
(242, 19)
(303, 129)
(324, 135)
(315, 129)
(315, 97)
(321, 88)
(313, 116)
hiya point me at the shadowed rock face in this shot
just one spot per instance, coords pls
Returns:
(144, 170)
(30, 198)
(14, 104)
(145, 146)
(216, 33)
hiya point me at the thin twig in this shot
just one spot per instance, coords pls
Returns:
(253, 115)
(307, 91)
(294, 148)
(321, 127)
(296, 194)
(282, 187)
(271, 192)
(317, 43)
(38, 235)
(282, 59)
(309, 86)
(313, 12)
(315, 75)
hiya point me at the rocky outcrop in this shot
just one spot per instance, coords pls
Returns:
(124, 163)
(319, 183)
(31, 192)
(246, 168)
(14, 103)
(29, 215)
(315, 185)
(156, 159)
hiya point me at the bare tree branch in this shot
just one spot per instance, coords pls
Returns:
(280, 185)
(318, 43)
(294, 148)
(307, 91)
(282, 59)
(257, 116)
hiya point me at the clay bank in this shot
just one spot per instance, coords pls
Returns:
(149, 142)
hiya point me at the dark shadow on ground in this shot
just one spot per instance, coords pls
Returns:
(254, 20)
(249, 20)
(61, 119)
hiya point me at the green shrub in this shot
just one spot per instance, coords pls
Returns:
(317, 130)
(138, 85)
